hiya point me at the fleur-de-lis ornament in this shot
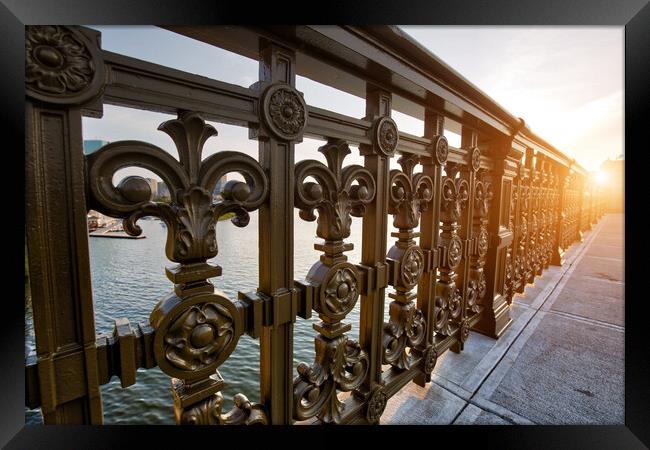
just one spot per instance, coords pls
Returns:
(191, 215)
(410, 194)
(341, 365)
(448, 303)
(197, 327)
(477, 284)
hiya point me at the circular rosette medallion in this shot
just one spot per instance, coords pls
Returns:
(464, 330)
(339, 291)
(284, 111)
(62, 66)
(441, 149)
(195, 335)
(376, 405)
(386, 136)
(411, 266)
(454, 252)
(476, 159)
(430, 359)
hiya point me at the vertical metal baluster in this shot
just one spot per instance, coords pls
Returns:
(429, 234)
(276, 155)
(495, 317)
(558, 249)
(57, 232)
(469, 142)
(373, 253)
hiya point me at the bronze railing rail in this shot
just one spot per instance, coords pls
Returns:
(492, 215)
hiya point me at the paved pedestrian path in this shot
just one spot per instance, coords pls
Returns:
(560, 362)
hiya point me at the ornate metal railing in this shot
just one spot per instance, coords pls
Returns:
(492, 215)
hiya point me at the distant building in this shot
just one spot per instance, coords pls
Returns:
(98, 220)
(162, 190)
(216, 194)
(92, 145)
(153, 185)
(93, 222)
(159, 189)
(613, 184)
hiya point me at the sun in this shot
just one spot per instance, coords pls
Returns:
(600, 177)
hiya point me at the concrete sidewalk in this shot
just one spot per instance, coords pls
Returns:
(560, 362)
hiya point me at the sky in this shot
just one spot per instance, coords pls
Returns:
(565, 82)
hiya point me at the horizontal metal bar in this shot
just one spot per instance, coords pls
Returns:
(327, 124)
(413, 144)
(144, 85)
(395, 380)
(111, 362)
(346, 57)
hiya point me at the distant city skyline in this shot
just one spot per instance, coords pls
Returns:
(566, 82)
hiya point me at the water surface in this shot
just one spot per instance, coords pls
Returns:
(128, 279)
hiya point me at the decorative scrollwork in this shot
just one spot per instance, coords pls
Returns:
(472, 294)
(334, 195)
(208, 412)
(197, 327)
(284, 111)
(410, 194)
(448, 301)
(455, 194)
(482, 285)
(482, 242)
(386, 136)
(61, 65)
(406, 328)
(338, 193)
(191, 215)
(509, 276)
(376, 404)
(477, 285)
(482, 198)
(448, 308)
(340, 365)
(477, 288)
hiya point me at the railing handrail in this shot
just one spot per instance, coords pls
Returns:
(417, 68)
(415, 52)
(493, 214)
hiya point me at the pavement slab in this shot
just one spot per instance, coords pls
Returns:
(567, 372)
(430, 405)
(473, 415)
(596, 306)
(560, 362)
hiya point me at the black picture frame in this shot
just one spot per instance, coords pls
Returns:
(634, 15)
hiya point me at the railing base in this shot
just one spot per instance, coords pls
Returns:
(558, 257)
(494, 321)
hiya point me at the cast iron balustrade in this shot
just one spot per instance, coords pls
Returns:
(493, 214)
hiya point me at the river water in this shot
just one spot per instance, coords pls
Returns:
(128, 279)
